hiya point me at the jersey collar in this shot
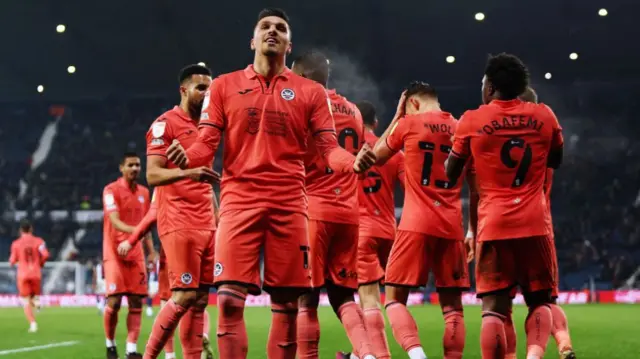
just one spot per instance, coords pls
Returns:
(122, 182)
(252, 74)
(180, 112)
(508, 103)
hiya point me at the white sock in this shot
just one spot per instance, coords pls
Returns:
(353, 356)
(369, 357)
(417, 353)
(170, 356)
(111, 343)
(132, 347)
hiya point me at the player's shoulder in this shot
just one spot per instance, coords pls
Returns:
(543, 108)
(305, 85)
(143, 188)
(111, 186)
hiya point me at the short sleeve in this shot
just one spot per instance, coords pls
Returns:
(363, 131)
(398, 133)
(213, 105)
(159, 137)
(399, 163)
(461, 137)
(42, 247)
(557, 140)
(321, 116)
(109, 201)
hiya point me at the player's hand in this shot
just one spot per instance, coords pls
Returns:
(365, 159)
(203, 174)
(470, 243)
(152, 257)
(402, 102)
(177, 155)
(123, 248)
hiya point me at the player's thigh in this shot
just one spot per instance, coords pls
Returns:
(24, 288)
(369, 268)
(449, 264)
(238, 240)
(536, 264)
(135, 277)
(342, 265)
(164, 289)
(207, 264)
(114, 271)
(319, 236)
(384, 250)
(408, 263)
(36, 286)
(183, 258)
(286, 255)
(495, 267)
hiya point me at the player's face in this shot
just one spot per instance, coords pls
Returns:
(195, 90)
(272, 37)
(487, 90)
(130, 169)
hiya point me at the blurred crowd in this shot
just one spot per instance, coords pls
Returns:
(596, 195)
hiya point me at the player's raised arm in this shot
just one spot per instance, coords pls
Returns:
(391, 141)
(110, 207)
(324, 135)
(455, 164)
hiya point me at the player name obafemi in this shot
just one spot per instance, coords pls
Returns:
(513, 123)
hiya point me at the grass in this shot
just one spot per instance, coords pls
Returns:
(598, 331)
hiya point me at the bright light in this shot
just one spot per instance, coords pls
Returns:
(71, 69)
(450, 59)
(40, 88)
(479, 16)
(202, 64)
(603, 12)
(547, 76)
(573, 56)
(61, 28)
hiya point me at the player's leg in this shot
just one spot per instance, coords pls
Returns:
(451, 274)
(536, 275)
(183, 262)
(510, 330)
(407, 268)
(495, 277)
(25, 290)
(287, 275)
(164, 292)
(239, 237)
(134, 319)
(342, 283)
(192, 324)
(115, 288)
(373, 254)
(560, 327)
(308, 325)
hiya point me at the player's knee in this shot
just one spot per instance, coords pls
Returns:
(450, 299)
(135, 301)
(536, 299)
(369, 296)
(202, 299)
(114, 302)
(396, 294)
(184, 298)
(230, 307)
(339, 295)
(499, 302)
(309, 300)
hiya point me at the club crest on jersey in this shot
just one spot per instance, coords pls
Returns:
(288, 94)
(141, 199)
(186, 278)
(217, 269)
(157, 130)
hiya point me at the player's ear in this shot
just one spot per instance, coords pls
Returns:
(252, 44)
(415, 103)
(183, 90)
(289, 48)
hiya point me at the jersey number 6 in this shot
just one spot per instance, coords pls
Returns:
(525, 162)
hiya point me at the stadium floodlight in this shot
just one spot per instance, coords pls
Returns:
(61, 28)
(573, 56)
(547, 76)
(450, 59)
(71, 69)
(603, 12)
(479, 16)
(202, 63)
(40, 88)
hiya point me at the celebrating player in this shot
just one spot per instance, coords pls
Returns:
(164, 289)
(125, 202)
(512, 143)
(430, 235)
(185, 215)
(267, 113)
(29, 253)
(333, 223)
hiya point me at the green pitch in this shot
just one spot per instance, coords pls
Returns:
(598, 331)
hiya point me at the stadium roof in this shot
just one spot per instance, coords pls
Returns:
(137, 47)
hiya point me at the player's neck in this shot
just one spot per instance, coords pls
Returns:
(184, 105)
(424, 108)
(268, 66)
(131, 183)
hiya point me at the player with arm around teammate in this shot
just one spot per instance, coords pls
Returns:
(512, 143)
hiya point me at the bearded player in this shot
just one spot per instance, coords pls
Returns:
(430, 235)
(333, 228)
(29, 253)
(512, 143)
(125, 202)
(185, 218)
(267, 113)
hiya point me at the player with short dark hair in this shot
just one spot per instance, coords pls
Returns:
(29, 253)
(124, 204)
(185, 219)
(512, 144)
(333, 222)
(266, 113)
(430, 235)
